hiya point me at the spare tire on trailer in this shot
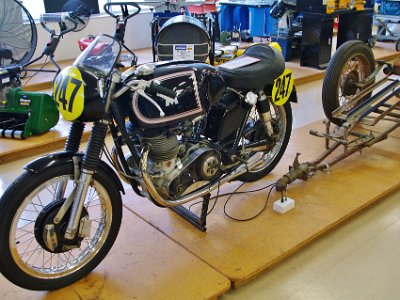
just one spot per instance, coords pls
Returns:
(351, 64)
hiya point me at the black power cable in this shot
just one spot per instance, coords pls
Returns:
(236, 192)
(36, 72)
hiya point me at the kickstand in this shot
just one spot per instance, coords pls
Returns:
(198, 221)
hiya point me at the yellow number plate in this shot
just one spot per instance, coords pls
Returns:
(68, 92)
(283, 87)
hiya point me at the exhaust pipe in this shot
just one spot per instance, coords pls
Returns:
(252, 163)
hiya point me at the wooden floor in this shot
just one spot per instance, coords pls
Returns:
(143, 264)
(241, 250)
(158, 255)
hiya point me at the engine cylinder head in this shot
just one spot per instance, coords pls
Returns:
(162, 147)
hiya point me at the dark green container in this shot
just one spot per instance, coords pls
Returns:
(23, 114)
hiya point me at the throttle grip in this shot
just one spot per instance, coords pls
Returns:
(11, 69)
(54, 17)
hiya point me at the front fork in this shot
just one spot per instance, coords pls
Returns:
(71, 145)
(265, 112)
(89, 165)
(82, 179)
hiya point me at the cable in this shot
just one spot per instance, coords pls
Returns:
(235, 192)
(47, 61)
(216, 197)
(254, 216)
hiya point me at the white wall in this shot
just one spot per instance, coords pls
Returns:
(137, 35)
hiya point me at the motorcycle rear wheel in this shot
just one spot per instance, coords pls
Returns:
(351, 64)
(282, 124)
(29, 204)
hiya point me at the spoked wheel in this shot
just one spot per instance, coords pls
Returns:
(351, 64)
(33, 257)
(272, 153)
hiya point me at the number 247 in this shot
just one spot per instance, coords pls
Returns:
(282, 85)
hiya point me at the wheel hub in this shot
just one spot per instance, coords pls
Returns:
(50, 235)
(350, 87)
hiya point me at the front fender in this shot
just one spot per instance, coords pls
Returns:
(64, 157)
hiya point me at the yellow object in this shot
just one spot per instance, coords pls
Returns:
(283, 87)
(224, 54)
(333, 5)
(69, 93)
(240, 52)
(330, 6)
(359, 5)
(276, 46)
(343, 4)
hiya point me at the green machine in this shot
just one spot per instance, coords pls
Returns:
(22, 113)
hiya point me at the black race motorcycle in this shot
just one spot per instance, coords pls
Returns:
(180, 129)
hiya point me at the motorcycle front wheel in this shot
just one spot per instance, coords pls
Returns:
(30, 203)
(282, 125)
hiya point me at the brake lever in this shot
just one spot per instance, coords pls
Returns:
(144, 95)
(139, 87)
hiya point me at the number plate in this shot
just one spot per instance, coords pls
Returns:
(68, 92)
(283, 87)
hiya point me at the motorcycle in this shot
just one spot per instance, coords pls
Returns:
(181, 129)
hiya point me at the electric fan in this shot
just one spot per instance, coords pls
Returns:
(18, 36)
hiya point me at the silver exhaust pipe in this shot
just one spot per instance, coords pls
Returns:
(253, 162)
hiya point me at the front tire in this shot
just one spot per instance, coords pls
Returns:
(28, 203)
(282, 124)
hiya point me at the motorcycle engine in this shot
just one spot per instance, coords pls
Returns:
(175, 165)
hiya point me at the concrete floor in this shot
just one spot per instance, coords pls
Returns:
(359, 260)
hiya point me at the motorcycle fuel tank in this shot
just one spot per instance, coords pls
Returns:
(190, 82)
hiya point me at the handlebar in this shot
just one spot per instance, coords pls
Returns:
(11, 69)
(60, 18)
(155, 88)
(124, 9)
(54, 17)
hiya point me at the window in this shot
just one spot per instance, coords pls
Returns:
(35, 7)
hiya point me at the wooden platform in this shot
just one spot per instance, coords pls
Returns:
(158, 255)
(55, 138)
(143, 264)
(241, 250)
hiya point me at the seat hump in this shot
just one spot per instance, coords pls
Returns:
(271, 64)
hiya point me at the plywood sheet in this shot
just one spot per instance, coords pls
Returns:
(241, 250)
(12, 149)
(143, 264)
